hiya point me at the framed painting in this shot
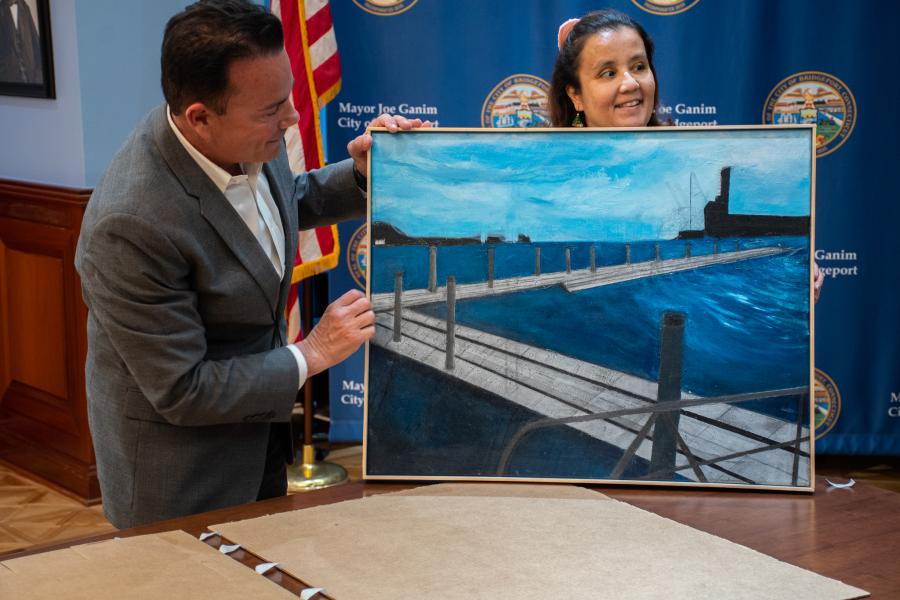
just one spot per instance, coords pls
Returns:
(589, 305)
(26, 49)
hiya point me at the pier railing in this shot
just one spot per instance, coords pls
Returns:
(592, 267)
(663, 418)
(433, 294)
(654, 410)
(663, 412)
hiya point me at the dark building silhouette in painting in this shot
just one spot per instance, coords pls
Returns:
(718, 222)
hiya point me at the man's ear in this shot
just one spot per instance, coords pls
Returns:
(197, 117)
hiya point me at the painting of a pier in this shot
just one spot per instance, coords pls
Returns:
(629, 306)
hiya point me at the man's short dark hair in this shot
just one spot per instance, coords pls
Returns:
(201, 42)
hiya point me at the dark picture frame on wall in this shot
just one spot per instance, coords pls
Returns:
(26, 49)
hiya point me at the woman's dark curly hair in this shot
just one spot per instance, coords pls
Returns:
(565, 71)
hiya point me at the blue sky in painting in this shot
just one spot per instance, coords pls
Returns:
(578, 186)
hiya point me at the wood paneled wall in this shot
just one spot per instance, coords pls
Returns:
(43, 342)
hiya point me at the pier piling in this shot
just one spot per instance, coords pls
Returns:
(656, 252)
(627, 254)
(398, 305)
(432, 268)
(687, 250)
(665, 431)
(593, 259)
(451, 322)
(490, 267)
(568, 260)
(537, 260)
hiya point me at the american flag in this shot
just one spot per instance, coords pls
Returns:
(312, 48)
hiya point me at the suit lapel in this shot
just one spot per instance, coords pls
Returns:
(288, 225)
(216, 209)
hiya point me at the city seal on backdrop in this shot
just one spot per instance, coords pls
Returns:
(817, 98)
(385, 8)
(827, 404)
(356, 255)
(517, 101)
(665, 7)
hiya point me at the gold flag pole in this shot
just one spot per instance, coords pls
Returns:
(306, 474)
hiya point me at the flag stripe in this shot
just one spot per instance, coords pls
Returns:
(293, 314)
(326, 240)
(294, 145)
(314, 6)
(330, 261)
(314, 100)
(319, 25)
(309, 246)
(328, 79)
(322, 49)
(312, 47)
(303, 94)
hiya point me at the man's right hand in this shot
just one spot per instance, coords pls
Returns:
(346, 324)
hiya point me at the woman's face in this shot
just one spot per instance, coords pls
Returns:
(616, 85)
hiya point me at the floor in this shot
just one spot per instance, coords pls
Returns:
(880, 471)
(32, 513)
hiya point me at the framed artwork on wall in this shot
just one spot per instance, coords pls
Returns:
(26, 49)
(590, 305)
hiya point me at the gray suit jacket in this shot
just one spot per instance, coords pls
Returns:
(185, 368)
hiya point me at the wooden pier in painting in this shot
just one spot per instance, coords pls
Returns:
(571, 280)
(717, 442)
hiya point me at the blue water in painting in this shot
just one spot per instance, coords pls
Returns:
(746, 327)
(746, 330)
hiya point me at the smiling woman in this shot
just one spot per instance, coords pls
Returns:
(604, 74)
(604, 77)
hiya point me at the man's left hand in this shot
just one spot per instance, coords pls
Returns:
(358, 148)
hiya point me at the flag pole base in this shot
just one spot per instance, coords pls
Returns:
(310, 475)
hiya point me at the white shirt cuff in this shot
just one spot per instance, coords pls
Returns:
(301, 364)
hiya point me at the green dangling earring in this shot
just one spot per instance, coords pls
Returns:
(576, 122)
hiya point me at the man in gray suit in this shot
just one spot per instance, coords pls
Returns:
(185, 256)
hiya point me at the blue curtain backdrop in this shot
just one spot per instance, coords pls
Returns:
(471, 63)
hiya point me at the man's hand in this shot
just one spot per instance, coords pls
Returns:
(818, 281)
(358, 148)
(346, 324)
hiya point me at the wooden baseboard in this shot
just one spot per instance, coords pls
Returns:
(43, 339)
(53, 469)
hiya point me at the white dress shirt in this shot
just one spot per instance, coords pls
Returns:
(250, 196)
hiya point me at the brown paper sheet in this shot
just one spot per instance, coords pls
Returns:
(505, 490)
(459, 543)
(170, 566)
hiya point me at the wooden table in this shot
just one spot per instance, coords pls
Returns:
(849, 534)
